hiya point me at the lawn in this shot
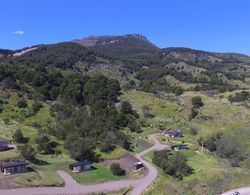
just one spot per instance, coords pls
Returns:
(118, 152)
(99, 175)
(210, 176)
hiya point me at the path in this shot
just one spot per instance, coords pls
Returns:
(73, 188)
(242, 191)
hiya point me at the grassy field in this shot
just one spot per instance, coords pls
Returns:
(116, 153)
(100, 175)
(211, 175)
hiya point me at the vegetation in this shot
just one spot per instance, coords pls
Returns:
(67, 110)
(225, 147)
(117, 170)
(18, 136)
(239, 97)
(27, 151)
(174, 165)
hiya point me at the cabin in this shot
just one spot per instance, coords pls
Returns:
(5, 145)
(179, 147)
(174, 133)
(80, 166)
(4, 142)
(137, 165)
(12, 167)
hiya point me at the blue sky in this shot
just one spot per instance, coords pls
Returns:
(213, 25)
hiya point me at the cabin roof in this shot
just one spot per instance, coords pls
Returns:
(80, 163)
(4, 142)
(13, 164)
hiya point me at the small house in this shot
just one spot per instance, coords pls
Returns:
(174, 133)
(13, 167)
(80, 166)
(137, 165)
(4, 142)
(5, 145)
(179, 147)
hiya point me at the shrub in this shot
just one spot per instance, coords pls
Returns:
(22, 103)
(36, 106)
(174, 165)
(178, 90)
(117, 170)
(197, 102)
(27, 152)
(18, 136)
(193, 131)
(1, 108)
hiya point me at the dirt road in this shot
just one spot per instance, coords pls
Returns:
(73, 188)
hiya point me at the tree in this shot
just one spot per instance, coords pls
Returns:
(45, 145)
(117, 170)
(22, 103)
(227, 147)
(18, 136)
(27, 151)
(1, 108)
(126, 108)
(36, 106)
(146, 110)
(178, 90)
(197, 102)
(174, 165)
(80, 149)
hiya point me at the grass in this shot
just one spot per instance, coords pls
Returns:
(210, 175)
(100, 175)
(217, 115)
(116, 153)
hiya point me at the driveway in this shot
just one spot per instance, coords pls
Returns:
(73, 188)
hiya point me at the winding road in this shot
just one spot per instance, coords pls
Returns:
(73, 188)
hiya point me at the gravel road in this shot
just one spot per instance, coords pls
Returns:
(73, 188)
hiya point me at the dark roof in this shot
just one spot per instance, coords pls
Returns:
(80, 163)
(175, 133)
(4, 142)
(13, 164)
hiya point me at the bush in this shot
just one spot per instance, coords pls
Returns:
(178, 90)
(22, 103)
(117, 170)
(1, 108)
(225, 147)
(197, 102)
(174, 165)
(36, 106)
(193, 131)
(27, 152)
(18, 136)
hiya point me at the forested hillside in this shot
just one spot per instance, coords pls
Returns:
(85, 98)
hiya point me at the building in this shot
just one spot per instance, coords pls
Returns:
(13, 167)
(4, 142)
(137, 165)
(80, 166)
(179, 147)
(5, 145)
(174, 133)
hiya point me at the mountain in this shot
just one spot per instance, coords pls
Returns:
(134, 57)
(129, 46)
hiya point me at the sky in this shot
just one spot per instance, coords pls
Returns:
(212, 25)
